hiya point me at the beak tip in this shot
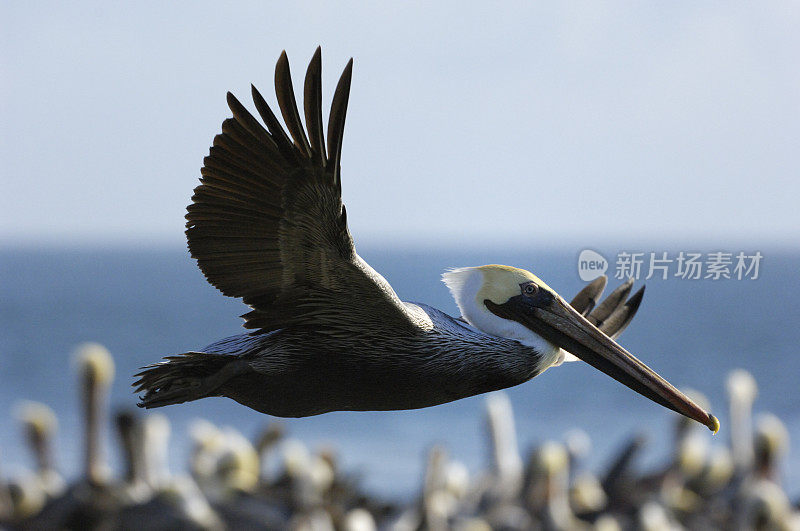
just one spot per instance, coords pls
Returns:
(713, 424)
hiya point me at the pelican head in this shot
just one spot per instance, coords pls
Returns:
(513, 303)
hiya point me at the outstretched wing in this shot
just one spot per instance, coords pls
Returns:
(268, 225)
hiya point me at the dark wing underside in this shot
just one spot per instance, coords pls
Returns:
(267, 223)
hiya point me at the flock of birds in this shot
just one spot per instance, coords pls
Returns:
(275, 482)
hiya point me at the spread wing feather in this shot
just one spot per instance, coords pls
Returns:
(267, 222)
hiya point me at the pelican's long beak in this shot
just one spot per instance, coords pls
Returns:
(555, 320)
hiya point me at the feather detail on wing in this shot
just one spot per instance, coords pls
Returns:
(268, 225)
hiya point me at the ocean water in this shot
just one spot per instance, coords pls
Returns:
(143, 303)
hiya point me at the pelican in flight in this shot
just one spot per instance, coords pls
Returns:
(328, 332)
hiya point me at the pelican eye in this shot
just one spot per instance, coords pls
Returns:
(529, 289)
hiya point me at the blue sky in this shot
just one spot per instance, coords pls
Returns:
(535, 122)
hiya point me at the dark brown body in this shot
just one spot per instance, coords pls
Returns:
(298, 373)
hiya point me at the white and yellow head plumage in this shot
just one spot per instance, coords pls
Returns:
(470, 286)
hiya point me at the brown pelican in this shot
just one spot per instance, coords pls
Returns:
(506, 461)
(91, 501)
(134, 487)
(40, 423)
(96, 368)
(444, 486)
(770, 443)
(267, 224)
(553, 462)
(742, 392)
